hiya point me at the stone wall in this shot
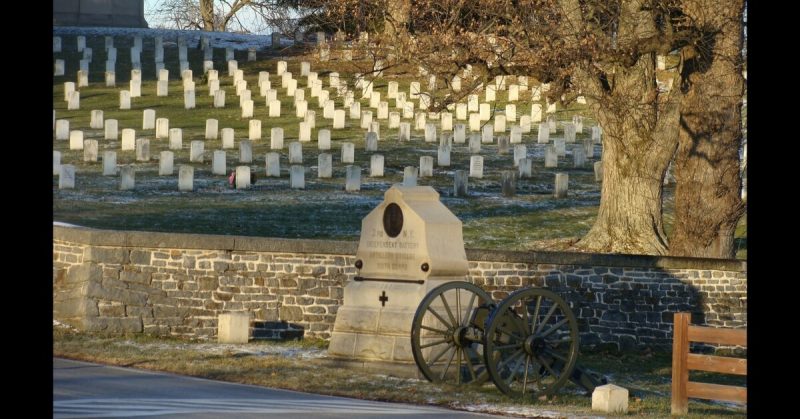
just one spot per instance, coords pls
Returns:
(177, 284)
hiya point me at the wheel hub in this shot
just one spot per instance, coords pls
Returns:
(534, 345)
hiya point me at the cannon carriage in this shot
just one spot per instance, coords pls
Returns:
(412, 275)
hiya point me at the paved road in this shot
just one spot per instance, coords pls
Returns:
(82, 389)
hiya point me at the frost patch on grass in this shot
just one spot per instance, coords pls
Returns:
(527, 412)
(234, 349)
(60, 325)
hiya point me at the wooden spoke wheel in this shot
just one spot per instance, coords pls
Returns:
(531, 343)
(447, 333)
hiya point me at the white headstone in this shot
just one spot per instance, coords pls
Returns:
(508, 183)
(56, 44)
(185, 178)
(405, 131)
(90, 150)
(460, 187)
(550, 156)
(598, 171)
(74, 101)
(474, 143)
(500, 123)
(148, 119)
(366, 119)
(142, 149)
(376, 165)
(162, 128)
(443, 155)
(297, 177)
(516, 134)
(295, 152)
(109, 163)
(275, 108)
(62, 129)
(111, 79)
(348, 152)
(569, 132)
(96, 121)
(165, 161)
(579, 156)
(597, 134)
(188, 99)
(273, 165)
(219, 98)
(430, 132)
(276, 138)
(324, 165)
(476, 166)
(196, 151)
(175, 138)
(543, 136)
(136, 88)
(247, 109)
(352, 178)
(371, 141)
(588, 146)
(513, 92)
(58, 69)
(487, 135)
(304, 132)
(425, 166)
(111, 129)
(76, 140)
(561, 146)
(245, 151)
(474, 122)
(520, 152)
(162, 88)
(355, 110)
(56, 162)
(394, 120)
(242, 177)
(66, 177)
(491, 93)
(525, 124)
(562, 181)
(127, 178)
(410, 174)
(128, 142)
(525, 167)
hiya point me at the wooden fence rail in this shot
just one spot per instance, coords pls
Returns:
(683, 361)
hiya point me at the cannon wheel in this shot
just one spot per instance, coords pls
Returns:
(531, 343)
(447, 335)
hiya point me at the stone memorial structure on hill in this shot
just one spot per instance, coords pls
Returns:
(410, 244)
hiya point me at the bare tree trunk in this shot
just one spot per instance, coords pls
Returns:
(630, 216)
(708, 203)
(207, 13)
(396, 17)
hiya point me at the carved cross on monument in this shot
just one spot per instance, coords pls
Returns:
(383, 298)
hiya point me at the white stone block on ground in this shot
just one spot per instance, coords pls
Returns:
(175, 138)
(276, 138)
(142, 149)
(96, 121)
(474, 143)
(295, 152)
(610, 398)
(128, 142)
(376, 165)
(425, 166)
(476, 166)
